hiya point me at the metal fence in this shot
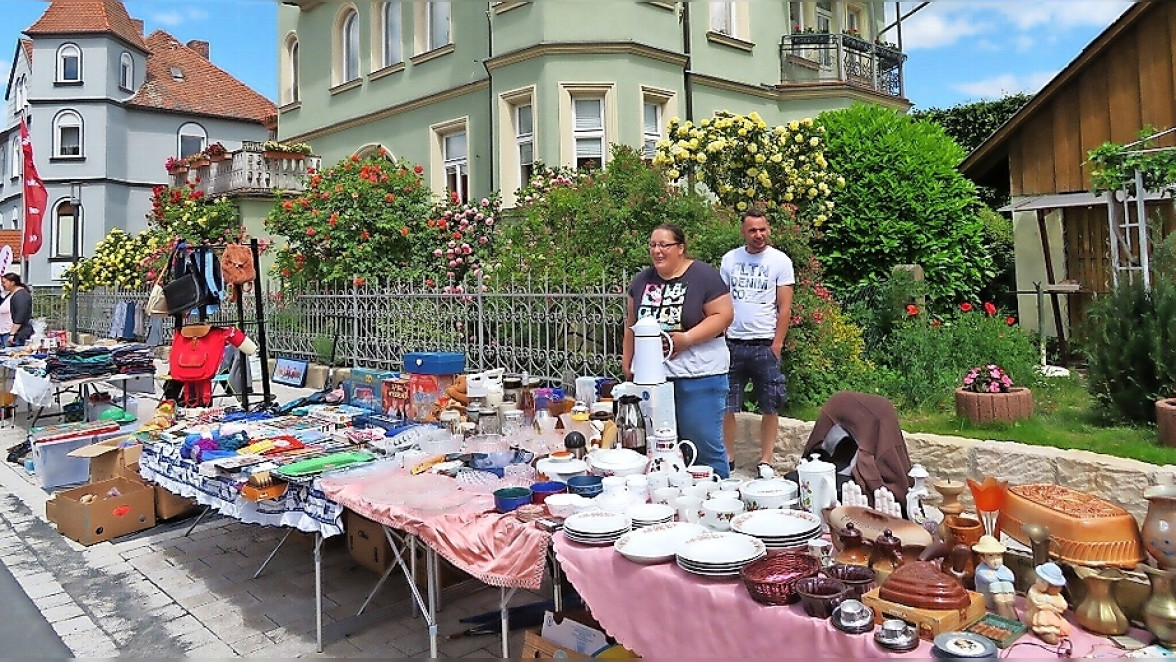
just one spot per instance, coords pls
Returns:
(543, 328)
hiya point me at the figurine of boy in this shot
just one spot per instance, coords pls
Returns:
(994, 580)
(1044, 604)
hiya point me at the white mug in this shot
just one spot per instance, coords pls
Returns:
(701, 473)
(681, 480)
(613, 485)
(730, 485)
(638, 486)
(717, 513)
(666, 495)
(689, 509)
(658, 480)
(699, 491)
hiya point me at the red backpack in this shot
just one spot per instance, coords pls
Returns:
(196, 358)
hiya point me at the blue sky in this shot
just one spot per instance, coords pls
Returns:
(960, 51)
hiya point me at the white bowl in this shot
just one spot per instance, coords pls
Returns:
(562, 505)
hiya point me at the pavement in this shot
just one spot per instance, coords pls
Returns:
(160, 593)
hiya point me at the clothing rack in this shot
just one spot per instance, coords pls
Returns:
(241, 323)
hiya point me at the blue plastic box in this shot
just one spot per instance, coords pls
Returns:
(434, 363)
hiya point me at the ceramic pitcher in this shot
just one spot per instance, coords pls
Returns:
(818, 486)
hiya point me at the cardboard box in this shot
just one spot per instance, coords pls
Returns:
(367, 543)
(168, 505)
(395, 398)
(111, 458)
(575, 631)
(535, 647)
(105, 517)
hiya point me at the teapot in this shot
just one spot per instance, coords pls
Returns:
(666, 451)
(818, 485)
(649, 359)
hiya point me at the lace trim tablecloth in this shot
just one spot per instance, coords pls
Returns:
(498, 550)
(303, 507)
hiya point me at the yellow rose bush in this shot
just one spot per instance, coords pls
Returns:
(117, 262)
(745, 162)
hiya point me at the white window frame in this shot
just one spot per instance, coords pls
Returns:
(651, 136)
(3, 164)
(582, 132)
(126, 71)
(16, 162)
(290, 70)
(441, 162)
(68, 119)
(434, 11)
(456, 166)
(349, 40)
(391, 33)
(66, 51)
(855, 20)
(21, 98)
(825, 24)
(524, 139)
(724, 18)
(59, 252)
(796, 19)
(190, 130)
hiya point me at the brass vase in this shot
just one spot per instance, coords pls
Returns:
(1159, 612)
(1099, 612)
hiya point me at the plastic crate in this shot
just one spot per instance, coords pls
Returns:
(53, 466)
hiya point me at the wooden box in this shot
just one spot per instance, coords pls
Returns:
(929, 622)
(536, 647)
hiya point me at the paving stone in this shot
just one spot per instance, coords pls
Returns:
(254, 643)
(62, 612)
(74, 625)
(215, 649)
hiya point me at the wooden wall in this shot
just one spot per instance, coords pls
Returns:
(1132, 83)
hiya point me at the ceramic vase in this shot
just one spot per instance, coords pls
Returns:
(1159, 612)
(949, 491)
(1099, 612)
(1159, 534)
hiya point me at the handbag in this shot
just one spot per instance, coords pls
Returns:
(187, 291)
(156, 302)
(237, 265)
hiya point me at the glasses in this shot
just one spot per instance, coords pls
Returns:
(662, 245)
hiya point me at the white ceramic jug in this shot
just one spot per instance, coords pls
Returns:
(665, 451)
(818, 486)
(649, 361)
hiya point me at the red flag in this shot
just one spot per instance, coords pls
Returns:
(35, 195)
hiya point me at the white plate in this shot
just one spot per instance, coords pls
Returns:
(595, 542)
(650, 512)
(721, 549)
(776, 523)
(598, 522)
(733, 572)
(657, 543)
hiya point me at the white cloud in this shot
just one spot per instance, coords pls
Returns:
(176, 17)
(1005, 84)
(1029, 15)
(945, 23)
(934, 27)
(5, 65)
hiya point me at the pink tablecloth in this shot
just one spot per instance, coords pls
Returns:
(498, 550)
(663, 612)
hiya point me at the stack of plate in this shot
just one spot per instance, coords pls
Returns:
(779, 529)
(719, 554)
(657, 543)
(648, 514)
(596, 527)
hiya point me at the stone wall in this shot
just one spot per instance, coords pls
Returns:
(1115, 479)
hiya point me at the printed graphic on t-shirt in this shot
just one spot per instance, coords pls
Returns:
(749, 281)
(663, 302)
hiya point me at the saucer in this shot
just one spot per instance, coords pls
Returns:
(908, 642)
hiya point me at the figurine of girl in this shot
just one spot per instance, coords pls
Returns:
(994, 580)
(1045, 605)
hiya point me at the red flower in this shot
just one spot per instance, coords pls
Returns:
(310, 232)
(1010, 320)
(418, 169)
(989, 308)
(355, 158)
(310, 171)
(359, 280)
(404, 231)
(288, 206)
(365, 235)
(966, 307)
(389, 197)
(912, 309)
(936, 324)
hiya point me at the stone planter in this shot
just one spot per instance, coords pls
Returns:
(1166, 421)
(1015, 405)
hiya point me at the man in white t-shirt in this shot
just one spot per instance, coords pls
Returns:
(761, 280)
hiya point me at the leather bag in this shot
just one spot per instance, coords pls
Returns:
(237, 265)
(187, 291)
(156, 301)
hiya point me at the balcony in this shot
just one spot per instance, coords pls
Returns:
(820, 58)
(250, 170)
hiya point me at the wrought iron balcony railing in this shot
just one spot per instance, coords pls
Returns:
(249, 170)
(821, 57)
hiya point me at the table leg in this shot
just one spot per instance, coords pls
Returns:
(505, 594)
(430, 616)
(271, 554)
(387, 573)
(318, 588)
(556, 579)
(433, 568)
(412, 559)
(200, 517)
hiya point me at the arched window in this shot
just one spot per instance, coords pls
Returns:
(67, 134)
(126, 72)
(65, 219)
(393, 38)
(22, 94)
(350, 40)
(69, 64)
(290, 73)
(192, 138)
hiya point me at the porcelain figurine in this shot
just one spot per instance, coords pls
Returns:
(994, 580)
(1044, 605)
(916, 494)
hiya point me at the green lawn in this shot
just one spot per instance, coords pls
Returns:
(1063, 418)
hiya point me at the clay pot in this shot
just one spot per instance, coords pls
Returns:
(1158, 525)
(1166, 421)
(1015, 405)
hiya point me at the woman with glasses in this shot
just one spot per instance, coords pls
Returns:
(693, 305)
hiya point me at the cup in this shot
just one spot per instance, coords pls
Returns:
(730, 485)
(681, 480)
(717, 513)
(689, 509)
(658, 480)
(822, 550)
(698, 491)
(701, 473)
(666, 495)
(613, 486)
(638, 486)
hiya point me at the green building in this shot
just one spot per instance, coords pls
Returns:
(479, 92)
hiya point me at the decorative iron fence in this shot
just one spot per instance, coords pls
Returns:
(542, 328)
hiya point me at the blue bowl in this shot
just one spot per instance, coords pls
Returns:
(507, 499)
(540, 491)
(586, 486)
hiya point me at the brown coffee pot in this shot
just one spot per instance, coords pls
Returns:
(854, 550)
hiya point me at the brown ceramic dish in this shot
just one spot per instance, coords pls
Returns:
(858, 578)
(872, 523)
(921, 584)
(820, 595)
(1083, 528)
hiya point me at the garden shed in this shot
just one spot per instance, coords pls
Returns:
(1121, 82)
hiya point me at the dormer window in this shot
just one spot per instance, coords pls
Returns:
(126, 72)
(69, 64)
(177, 74)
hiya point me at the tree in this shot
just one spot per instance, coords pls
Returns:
(904, 203)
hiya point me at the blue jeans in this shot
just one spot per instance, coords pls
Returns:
(699, 404)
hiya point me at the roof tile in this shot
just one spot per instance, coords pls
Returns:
(88, 17)
(27, 45)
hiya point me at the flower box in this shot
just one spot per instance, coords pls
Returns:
(199, 163)
(1166, 421)
(178, 170)
(274, 154)
(1015, 405)
(888, 57)
(221, 157)
(855, 43)
(811, 38)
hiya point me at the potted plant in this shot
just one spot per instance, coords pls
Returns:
(175, 166)
(217, 152)
(808, 36)
(888, 53)
(987, 394)
(1166, 421)
(272, 149)
(197, 160)
(852, 39)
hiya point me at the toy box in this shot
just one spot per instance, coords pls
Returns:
(434, 363)
(395, 399)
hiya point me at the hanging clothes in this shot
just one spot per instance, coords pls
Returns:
(117, 320)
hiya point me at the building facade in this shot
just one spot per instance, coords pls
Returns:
(479, 93)
(106, 106)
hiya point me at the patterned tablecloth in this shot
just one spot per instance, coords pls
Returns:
(304, 507)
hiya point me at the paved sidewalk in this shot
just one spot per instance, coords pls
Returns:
(160, 594)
